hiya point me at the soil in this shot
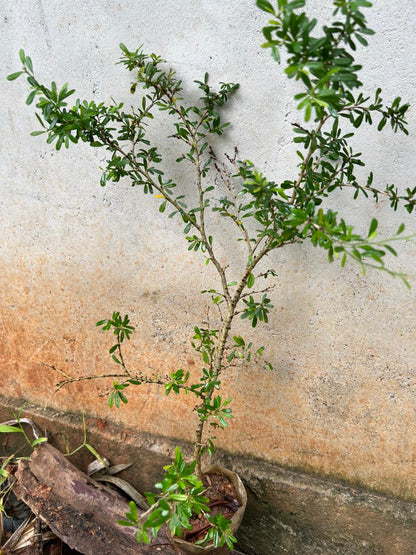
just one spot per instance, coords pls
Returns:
(222, 499)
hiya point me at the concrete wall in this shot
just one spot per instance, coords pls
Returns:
(341, 401)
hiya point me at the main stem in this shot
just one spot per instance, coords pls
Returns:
(217, 365)
(220, 350)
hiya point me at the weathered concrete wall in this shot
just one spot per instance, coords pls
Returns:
(341, 401)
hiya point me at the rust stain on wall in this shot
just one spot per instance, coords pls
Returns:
(354, 422)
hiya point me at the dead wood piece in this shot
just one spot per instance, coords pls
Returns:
(80, 511)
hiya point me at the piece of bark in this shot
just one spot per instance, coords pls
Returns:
(80, 511)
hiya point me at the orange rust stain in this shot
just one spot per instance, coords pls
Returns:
(310, 418)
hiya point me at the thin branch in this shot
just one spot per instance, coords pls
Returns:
(306, 160)
(120, 354)
(201, 228)
(164, 380)
(257, 292)
(225, 176)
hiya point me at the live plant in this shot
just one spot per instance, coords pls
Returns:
(266, 215)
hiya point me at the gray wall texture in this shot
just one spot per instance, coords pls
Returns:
(341, 401)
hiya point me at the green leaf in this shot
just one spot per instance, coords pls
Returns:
(178, 497)
(5, 429)
(250, 281)
(133, 510)
(126, 523)
(39, 440)
(145, 536)
(265, 6)
(373, 229)
(30, 98)
(14, 76)
(308, 111)
(239, 341)
(122, 397)
(296, 4)
(162, 207)
(362, 3)
(231, 356)
(361, 39)
(382, 123)
(401, 229)
(391, 250)
(28, 63)
(94, 452)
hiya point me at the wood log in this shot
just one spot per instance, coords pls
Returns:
(79, 510)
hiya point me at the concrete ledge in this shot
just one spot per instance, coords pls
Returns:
(287, 512)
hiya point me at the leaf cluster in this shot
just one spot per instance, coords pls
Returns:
(180, 497)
